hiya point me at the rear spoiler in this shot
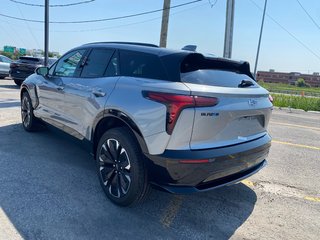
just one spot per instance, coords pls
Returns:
(196, 61)
(191, 48)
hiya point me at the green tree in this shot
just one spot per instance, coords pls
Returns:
(301, 83)
(9, 55)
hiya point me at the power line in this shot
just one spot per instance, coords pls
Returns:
(102, 19)
(212, 4)
(311, 18)
(287, 31)
(31, 32)
(56, 5)
(128, 24)
(120, 25)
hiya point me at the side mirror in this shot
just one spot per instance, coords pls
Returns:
(43, 71)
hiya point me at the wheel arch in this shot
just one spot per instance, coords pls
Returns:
(31, 90)
(114, 118)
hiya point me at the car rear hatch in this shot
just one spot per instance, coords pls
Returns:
(25, 65)
(243, 108)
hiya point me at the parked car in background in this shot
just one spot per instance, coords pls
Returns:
(175, 119)
(4, 66)
(25, 66)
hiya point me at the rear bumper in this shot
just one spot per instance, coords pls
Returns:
(225, 166)
(19, 76)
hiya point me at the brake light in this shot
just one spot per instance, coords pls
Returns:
(175, 103)
(270, 98)
(13, 65)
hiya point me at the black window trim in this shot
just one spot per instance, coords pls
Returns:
(115, 53)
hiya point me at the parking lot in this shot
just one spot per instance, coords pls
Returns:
(49, 190)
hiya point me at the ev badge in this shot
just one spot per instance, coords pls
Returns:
(252, 102)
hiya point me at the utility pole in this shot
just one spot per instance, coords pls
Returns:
(46, 32)
(164, 25)
(258, 50)
(228, 36)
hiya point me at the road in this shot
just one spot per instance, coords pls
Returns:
(49, 190)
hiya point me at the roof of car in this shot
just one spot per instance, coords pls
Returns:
(134, 46)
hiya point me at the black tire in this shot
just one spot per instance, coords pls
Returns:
(121, 167)
(29, 122)
(18, 82)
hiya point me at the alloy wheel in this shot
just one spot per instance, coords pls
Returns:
(26, 112)
(114, 168)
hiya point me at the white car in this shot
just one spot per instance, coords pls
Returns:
(4, 66)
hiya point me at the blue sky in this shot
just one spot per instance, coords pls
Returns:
(198, 23)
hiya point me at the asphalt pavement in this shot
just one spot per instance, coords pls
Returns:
(49, 190)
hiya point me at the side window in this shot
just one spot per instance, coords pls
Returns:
(97, 63)
(67, 65)
(113, 67)
(5, 59)
(51, 69)
(144, 65)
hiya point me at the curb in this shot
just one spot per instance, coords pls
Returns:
(316, 112)
(293, 110)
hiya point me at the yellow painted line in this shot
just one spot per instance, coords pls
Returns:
(313, 199)
(171, 211)
(296, 145)
(294, 125)
(248, 183)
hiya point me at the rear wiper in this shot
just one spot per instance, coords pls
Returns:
(245, 83)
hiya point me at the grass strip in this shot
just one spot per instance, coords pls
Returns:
(298, 102)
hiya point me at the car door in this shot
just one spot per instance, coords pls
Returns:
(4, 65)
(86, 96)
(51, 89)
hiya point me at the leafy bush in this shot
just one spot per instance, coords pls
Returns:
(301, 83)
(290, 89)
(298, 102)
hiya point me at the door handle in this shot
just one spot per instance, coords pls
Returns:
(60, 88)
(98, 93)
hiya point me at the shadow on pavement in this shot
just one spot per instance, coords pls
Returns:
(13, 86)
(5, 103)
(49, 190)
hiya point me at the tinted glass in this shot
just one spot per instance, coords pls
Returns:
(29, 60)
(137, 64)
(67, 65)
(97, 62)
(113, 67)
(215, 78)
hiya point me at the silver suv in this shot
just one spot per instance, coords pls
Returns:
(173, 119)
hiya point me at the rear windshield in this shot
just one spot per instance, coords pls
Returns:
(213, 77)
(29, 59)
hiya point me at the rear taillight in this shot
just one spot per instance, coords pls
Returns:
(270, 98)
(175, 103)
(13, 65)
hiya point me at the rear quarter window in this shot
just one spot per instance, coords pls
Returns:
(215, 78)
(144, 65)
